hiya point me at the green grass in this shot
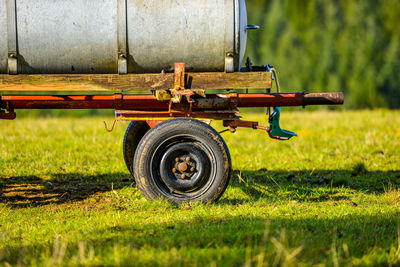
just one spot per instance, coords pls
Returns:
(328, 197)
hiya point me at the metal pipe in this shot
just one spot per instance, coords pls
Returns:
(141, 102)
(323, 99)
(290, 99)
(150, 103)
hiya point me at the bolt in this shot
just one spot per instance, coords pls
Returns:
(174, 170)
(177, 159)
(192, 169)
(187, 158)
(182, 167)
(183, 176)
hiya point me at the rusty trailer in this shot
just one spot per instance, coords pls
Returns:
(169, 146)
(103, 54)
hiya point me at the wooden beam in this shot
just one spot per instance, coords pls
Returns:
(130, 82)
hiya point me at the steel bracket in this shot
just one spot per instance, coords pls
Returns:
(179, 91)
(12, 37)
(122, 37)
(274, 130)
(118, 101)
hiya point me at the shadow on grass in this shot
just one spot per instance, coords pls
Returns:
(311, 185)
(304, 185)
(29, 191)
(223, 239)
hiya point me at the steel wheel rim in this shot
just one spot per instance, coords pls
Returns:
(199, 185)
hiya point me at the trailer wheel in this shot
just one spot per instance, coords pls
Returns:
(182, 160)
(134, 133)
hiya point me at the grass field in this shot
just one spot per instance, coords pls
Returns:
(328, 197)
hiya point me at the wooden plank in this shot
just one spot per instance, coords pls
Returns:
(130, 82)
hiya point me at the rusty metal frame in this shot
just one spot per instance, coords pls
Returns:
(150, 102)
(177, 101)
(141, 104)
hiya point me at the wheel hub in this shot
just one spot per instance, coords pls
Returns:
(184, 167)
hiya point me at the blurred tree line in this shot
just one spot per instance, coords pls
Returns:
(331, 45)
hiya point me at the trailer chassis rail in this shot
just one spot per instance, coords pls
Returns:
(179, 101)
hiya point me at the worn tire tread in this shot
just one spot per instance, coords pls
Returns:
(171, 127)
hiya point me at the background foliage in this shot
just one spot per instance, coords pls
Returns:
(331, 45)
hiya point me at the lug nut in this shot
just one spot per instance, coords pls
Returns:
(183, 176)
(192, 169)
(174, 170)
(177, 159)
(187, 158)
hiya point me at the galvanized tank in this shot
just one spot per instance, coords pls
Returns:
(121, 36)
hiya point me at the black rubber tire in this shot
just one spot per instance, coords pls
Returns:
(207, 155)
(134, 133)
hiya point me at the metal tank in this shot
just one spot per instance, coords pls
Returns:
(121, 36)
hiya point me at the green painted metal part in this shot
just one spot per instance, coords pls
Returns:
(275, 130)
